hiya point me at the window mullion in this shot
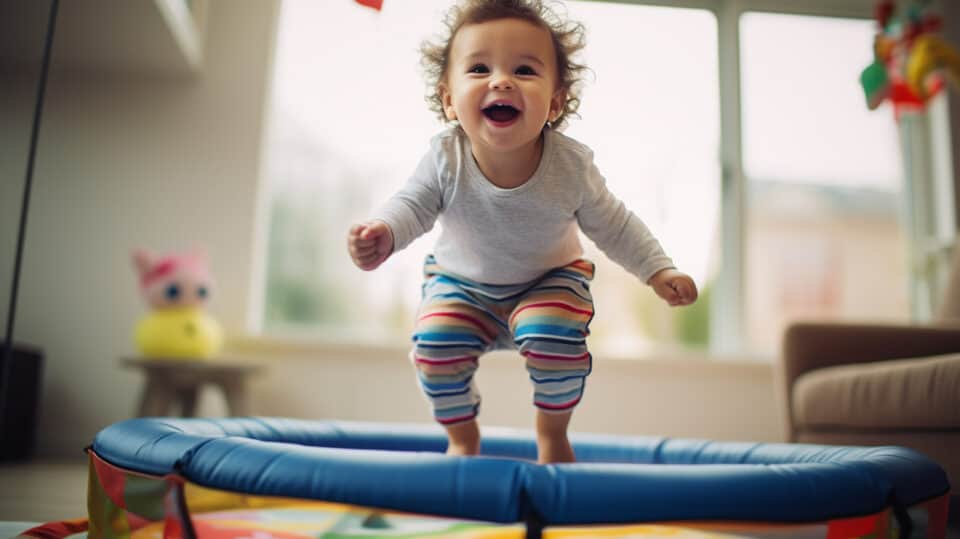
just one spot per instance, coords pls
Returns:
(727, 309)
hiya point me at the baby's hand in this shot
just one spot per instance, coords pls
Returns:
(370, 244)
(675, 287)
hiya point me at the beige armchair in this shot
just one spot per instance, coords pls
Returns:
(878, 384)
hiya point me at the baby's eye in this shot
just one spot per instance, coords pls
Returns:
(202, 292)
(172, 291)
(525, 70)
(478, 68)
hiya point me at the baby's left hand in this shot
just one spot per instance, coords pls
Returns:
(675, 287)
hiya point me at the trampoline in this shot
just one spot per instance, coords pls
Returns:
(618, 482)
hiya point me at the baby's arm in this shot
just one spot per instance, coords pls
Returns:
(620, 234)
(409, 213)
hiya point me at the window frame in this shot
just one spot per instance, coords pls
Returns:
(929, 206)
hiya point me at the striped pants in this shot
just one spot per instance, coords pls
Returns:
(547, 320)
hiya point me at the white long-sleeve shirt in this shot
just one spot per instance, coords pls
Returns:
(493, 235)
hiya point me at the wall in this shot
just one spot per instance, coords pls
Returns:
(19, 73)
(15, 122)
(131, 160)
(673, 396)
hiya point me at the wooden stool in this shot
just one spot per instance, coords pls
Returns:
(178, 381)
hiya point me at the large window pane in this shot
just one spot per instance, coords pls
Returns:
(824, 238)
(348, 125)
(652, 120)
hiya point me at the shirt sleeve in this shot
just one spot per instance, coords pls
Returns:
(412, 211)
(617, 231)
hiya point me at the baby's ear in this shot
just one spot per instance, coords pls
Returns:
(557, 103)
(447, 100)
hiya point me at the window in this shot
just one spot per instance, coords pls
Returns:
(348, 125)
(653, 121)
(747, 102)
(823, 173)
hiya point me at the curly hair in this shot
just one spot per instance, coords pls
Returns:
(568, 39)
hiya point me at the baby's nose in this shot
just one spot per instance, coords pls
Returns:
(501, 83)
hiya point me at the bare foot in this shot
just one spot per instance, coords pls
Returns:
(464, 439)
(552, 443)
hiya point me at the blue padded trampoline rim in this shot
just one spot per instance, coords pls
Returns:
(618, 479)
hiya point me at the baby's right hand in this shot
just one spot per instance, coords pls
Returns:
(370, 244)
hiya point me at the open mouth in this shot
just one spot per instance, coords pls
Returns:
(501, 113)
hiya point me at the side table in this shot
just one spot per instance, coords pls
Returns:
(178, 381)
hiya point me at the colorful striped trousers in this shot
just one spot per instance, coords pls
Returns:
(459, 320)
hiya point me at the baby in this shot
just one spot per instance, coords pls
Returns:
(511, 193)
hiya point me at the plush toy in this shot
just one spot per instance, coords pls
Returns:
(177, 288)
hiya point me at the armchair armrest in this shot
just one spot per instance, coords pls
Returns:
(813, 345)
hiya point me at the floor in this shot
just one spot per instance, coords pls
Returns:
(43, 491)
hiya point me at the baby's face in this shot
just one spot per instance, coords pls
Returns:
(501, 83)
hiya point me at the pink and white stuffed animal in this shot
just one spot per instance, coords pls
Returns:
(177, 288)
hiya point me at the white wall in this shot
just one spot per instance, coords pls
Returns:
(15, 121)
(168, 162)
(131, 160)
(678, 397)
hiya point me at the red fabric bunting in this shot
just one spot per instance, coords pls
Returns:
(375, 4)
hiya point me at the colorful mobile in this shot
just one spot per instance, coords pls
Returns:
(910, 57)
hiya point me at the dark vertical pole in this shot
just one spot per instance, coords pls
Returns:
(5, 367)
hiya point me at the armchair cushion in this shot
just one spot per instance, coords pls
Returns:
(916, 393)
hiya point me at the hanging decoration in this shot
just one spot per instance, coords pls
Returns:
(375, 4)
(911, 58)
